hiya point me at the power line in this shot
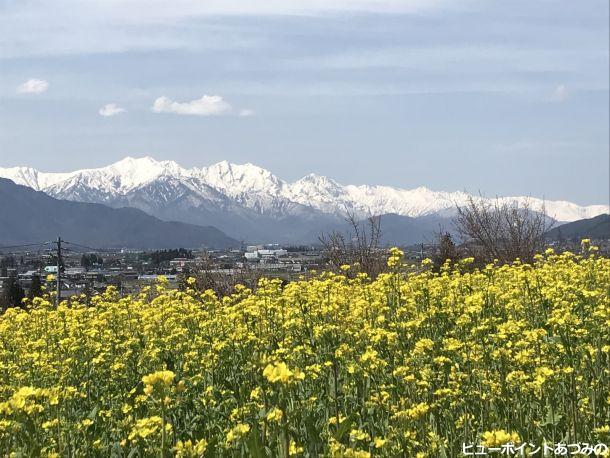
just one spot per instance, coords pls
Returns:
(85, 247)
(40, 248)
(25, 245)
(58, 248)
(58, 300)
(71, 249)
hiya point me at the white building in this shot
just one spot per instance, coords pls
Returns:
(251, 255)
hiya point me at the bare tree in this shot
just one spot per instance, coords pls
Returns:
(446, 250)
(501, 229)
(359, 248)
(208, 275)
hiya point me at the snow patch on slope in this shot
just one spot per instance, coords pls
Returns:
(247, 186)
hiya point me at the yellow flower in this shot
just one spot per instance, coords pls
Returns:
(188, 449)
(280, 372)
(418, 410)
(237, 432)
(50, 424)
(395, 259)
(159, 379)
(26, 399)
(86, 422)
(275, 415)
(333, 420)
(403, 364)
(147, 427)
(498, 438)
(542, 374)
(602, 433)
(358, 435)
(379, 442)
(423, 346)
(294, 449)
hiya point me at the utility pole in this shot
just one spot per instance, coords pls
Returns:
(58, 277)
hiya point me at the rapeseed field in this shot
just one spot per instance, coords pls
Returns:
(412, 363)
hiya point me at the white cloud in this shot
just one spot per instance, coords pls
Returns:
(559, 94)
(33, 86)
(246, 112)
(110, 109)
(207, 105)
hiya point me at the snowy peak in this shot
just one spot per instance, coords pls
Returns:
(129, 173)
(561, 210)
(25, 176)
(123, 175)
(248, 185)
(238, 179)
(314, 181)
(32, 178)
(147, 183)
(319, 192)
(314, 187)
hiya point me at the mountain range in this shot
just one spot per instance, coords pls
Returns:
(593, 228)
(28, 216)
(250, 203)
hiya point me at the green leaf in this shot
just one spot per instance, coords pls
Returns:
(255, 446)
(93, 413)
(344, 427)
(550, 418)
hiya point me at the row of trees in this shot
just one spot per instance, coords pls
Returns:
(13, 293)
(89, 260)
(360, 248)
(489, 231)
(207, 276)
(502, 231)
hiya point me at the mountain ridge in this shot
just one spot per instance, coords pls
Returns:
(249, 202)
(27, 215)
(237, 180)
(597, 227)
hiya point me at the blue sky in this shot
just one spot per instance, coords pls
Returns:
(507, 98)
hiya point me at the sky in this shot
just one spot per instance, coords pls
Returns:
(490, 96)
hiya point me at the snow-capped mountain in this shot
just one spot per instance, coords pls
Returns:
(245, 199)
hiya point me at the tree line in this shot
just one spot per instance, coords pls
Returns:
(489, 231)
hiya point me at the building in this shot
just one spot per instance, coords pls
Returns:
(251, 255)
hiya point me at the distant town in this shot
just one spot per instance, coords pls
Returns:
(90, 272)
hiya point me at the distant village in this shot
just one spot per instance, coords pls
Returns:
(91, 272)
(127, 270)
(29, 273)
